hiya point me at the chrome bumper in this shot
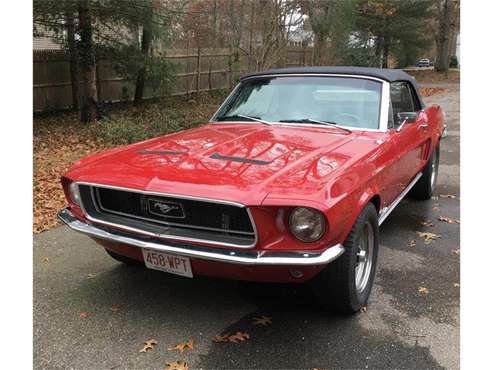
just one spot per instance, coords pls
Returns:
(240, 257)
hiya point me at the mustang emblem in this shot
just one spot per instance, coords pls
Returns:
(166, 209)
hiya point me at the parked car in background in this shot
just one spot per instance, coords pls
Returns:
(288, 182)
(424, 63)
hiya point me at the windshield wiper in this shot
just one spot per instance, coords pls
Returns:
(311, 120)
(256, 119)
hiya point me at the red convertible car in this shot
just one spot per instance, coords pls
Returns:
(288, 182)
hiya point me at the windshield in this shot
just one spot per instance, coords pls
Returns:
(345, 101)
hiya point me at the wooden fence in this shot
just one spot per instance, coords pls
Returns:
(196, 70)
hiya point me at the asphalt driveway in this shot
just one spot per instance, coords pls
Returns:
(121, 306)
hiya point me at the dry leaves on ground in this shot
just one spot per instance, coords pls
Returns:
(148, 345)
(182, 346)
(239, 337)
(177, 365)
(235, 338)
(412, 243)
(428, 91)
(83, 314)
(426, 223)
(456, 252)
(262, 320)
(428, 237)
(423, 290)
(448, 220)
(221, 338)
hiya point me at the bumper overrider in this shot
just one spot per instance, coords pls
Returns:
(239, 257)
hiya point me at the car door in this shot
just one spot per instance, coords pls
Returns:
(412, 139)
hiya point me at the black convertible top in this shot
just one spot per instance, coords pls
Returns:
(386, 74)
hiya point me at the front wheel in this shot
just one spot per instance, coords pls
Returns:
(345, 284)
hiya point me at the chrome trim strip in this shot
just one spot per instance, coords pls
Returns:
(385, 212)
(169, 236)
(384, 100)
(221, 255)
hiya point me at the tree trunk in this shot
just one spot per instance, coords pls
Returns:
(385, 52)
(74, 64)
(145, 48)
(378, 51)
(443, 39)
(319, 49)
(89, 108)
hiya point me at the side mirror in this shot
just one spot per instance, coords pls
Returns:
(406, 117)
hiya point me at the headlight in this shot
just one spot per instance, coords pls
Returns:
(306, 224)
(73, 190)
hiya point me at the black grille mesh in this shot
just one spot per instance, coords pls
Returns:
(196, 213)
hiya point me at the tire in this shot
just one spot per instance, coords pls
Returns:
(340, 287)
(123, 259)
(426, 185)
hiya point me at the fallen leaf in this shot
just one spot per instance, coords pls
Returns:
(177, 365)
(83, 314)
(46, 259)
(363, 309)
(182, 346)
(456, 252)
(456, 285)
(221, 338)
(426, 223)
(115, 308)
(262, 320)
(450, 196)
(428, 237)
(447, 220)
(423, 290)
(239, 337)
(412, 243)
(91, 276)
(148, 345)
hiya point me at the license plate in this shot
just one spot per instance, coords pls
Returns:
(167, 262)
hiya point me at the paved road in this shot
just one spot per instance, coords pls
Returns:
(401, 329)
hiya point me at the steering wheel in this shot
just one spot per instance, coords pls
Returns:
(345, 117)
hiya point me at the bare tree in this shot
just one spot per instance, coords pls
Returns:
(89, 107)
(447, 14)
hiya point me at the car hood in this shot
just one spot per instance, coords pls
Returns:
(244, 163)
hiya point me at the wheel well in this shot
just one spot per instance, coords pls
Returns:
(376, 202)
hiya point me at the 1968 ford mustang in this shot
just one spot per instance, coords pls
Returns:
(288, 182)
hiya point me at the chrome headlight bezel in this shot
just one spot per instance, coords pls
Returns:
(74, 193)
(314, 220)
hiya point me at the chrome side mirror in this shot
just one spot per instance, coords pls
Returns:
(406, 117)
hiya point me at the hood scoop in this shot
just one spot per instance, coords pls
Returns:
(239, 159)
(162, 152)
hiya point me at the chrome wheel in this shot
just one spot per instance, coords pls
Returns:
(364, 257)
(434, 170)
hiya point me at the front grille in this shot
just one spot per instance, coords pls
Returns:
(172, 216)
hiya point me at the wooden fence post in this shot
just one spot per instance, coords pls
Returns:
(230, 70)
(210, 75)
(198, 70)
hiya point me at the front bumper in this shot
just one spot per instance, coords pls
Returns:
(251, 257)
